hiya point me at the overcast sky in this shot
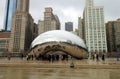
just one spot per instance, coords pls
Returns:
(67, 10)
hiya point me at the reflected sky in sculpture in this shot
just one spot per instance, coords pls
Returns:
(58, 36)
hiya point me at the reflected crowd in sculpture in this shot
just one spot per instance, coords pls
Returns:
(58, 40)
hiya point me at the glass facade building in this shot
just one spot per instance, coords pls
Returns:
(69, 26)
(11, 6)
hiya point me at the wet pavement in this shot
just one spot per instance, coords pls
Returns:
(18, 68)
(109, 63)
(83, 62)
(58, 73)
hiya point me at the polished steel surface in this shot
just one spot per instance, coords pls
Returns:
(58, 36)
(59, 40)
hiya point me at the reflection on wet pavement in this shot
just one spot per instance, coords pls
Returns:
(54, 73)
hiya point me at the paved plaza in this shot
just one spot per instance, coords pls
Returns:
(109, 63)
(17, 68)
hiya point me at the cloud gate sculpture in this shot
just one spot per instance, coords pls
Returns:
(58, 40)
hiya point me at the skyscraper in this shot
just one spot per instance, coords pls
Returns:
(113, 35)
(23, 6)
(80, 28)
(50, 22)
(69, 26)
(11, 6)
(95, 33)
(22, 33)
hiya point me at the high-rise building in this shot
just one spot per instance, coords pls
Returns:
(50, 22)
(80, 28)
(35, 30)
(11, 6)
(95, 33)
(69, 26)
(56, 19)
(113, 35)
(41, 27)
(22, 33)
(23, 6)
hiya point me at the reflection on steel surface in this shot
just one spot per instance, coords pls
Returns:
(58, 40)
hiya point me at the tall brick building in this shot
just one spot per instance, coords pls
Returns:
(113, 35)
(51, 21)
(22, 29)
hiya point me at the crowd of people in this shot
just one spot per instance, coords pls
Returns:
(56, 57)
(49, 57)
(96, 56)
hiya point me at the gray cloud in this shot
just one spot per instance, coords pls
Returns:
(111, 7)
(67, 10)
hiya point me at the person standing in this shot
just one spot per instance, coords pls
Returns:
(9, 56)
(117, 56)
(22, 55)
(97, 57)
(93, 56)
(103, 57)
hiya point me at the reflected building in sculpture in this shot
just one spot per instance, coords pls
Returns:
(10, 8)
(58, 40)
